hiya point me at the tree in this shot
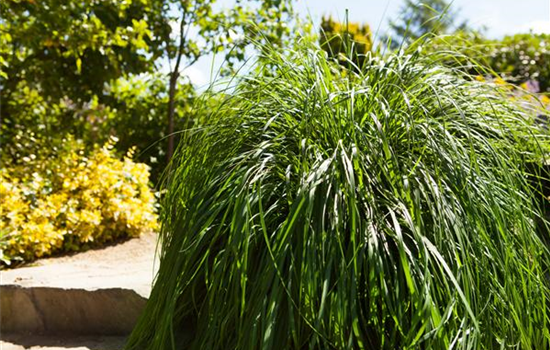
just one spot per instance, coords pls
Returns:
(58, 58)
(261, 22)
(418, 18)
(73, 48)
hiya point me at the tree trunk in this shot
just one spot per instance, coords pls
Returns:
(174, 75)
(171, 112)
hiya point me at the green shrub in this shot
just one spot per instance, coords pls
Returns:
(517, 59)
(71, 201)
(339, 40)
(387, 209)
(523, 57)
(139, 115)
(134, 110)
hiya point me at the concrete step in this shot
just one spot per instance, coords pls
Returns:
(46, 310)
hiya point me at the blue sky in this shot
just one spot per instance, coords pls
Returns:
(500, 17)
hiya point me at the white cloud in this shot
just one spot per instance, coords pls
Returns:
(196, 76)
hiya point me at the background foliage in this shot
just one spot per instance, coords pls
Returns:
(515, 58)
(71, 49)
(95, 69)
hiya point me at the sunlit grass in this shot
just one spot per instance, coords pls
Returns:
(387, 209)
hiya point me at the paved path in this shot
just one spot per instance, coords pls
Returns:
(88, 300)
(126, 265)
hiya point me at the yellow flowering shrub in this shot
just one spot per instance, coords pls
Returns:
(335, 35)
(71, 202)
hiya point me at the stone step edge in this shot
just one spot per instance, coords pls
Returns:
(51, 310)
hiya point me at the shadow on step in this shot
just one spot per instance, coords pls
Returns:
(76, 312)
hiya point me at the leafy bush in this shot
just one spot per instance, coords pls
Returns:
(72, 49)
(134, 110)
(517, 59)
(523, 57)
(72, 201)
(339, 40)
(39, 122)
(387, 209)
(139, 110)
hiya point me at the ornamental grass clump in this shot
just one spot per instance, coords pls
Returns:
(387, 208)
